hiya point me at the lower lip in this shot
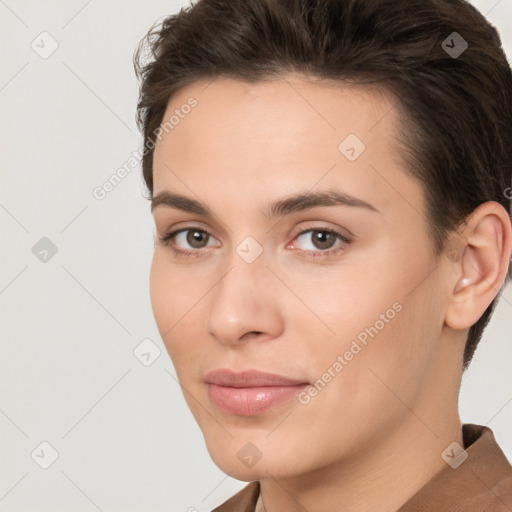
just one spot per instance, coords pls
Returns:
(251, 401)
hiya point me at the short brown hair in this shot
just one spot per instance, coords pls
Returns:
(457, 109)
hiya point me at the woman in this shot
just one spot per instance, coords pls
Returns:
(328, 183)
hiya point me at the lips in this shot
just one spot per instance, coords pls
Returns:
(250, 392)
(249, 378)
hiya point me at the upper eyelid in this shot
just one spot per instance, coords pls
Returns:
(173, 233)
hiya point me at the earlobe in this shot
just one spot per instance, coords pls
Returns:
(482, 266)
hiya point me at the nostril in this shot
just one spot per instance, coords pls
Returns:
(251, 333)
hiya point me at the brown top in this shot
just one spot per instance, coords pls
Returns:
(482, 483)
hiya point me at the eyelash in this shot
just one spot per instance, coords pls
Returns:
(198, 252)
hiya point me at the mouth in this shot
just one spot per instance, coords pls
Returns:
(251, 392)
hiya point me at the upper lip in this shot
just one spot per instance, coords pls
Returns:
(249, 378)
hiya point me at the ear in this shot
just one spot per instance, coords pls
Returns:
(481, 256)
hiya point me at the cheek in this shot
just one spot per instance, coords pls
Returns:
(175, 303)
(340, 305)
(167, 299)
(173, 289)
(368, 315)
(387, 345)
(160, 283)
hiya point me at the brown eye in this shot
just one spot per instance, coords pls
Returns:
(189, 240)
(321, 242)
(195, 238)
(320, 239)
(323, 239)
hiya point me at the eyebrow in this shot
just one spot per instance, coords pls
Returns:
(291, 204)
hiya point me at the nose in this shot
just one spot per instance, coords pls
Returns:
(245, 305)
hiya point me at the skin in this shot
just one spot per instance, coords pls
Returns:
(374, 435)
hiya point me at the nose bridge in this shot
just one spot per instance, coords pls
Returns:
(244, 300)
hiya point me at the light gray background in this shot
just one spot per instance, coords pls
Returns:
(124, 436)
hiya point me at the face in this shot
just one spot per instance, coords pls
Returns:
(337, 294)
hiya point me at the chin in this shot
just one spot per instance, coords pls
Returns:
(245, 461)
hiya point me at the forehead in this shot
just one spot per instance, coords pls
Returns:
(292, 105)
(273, 135)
